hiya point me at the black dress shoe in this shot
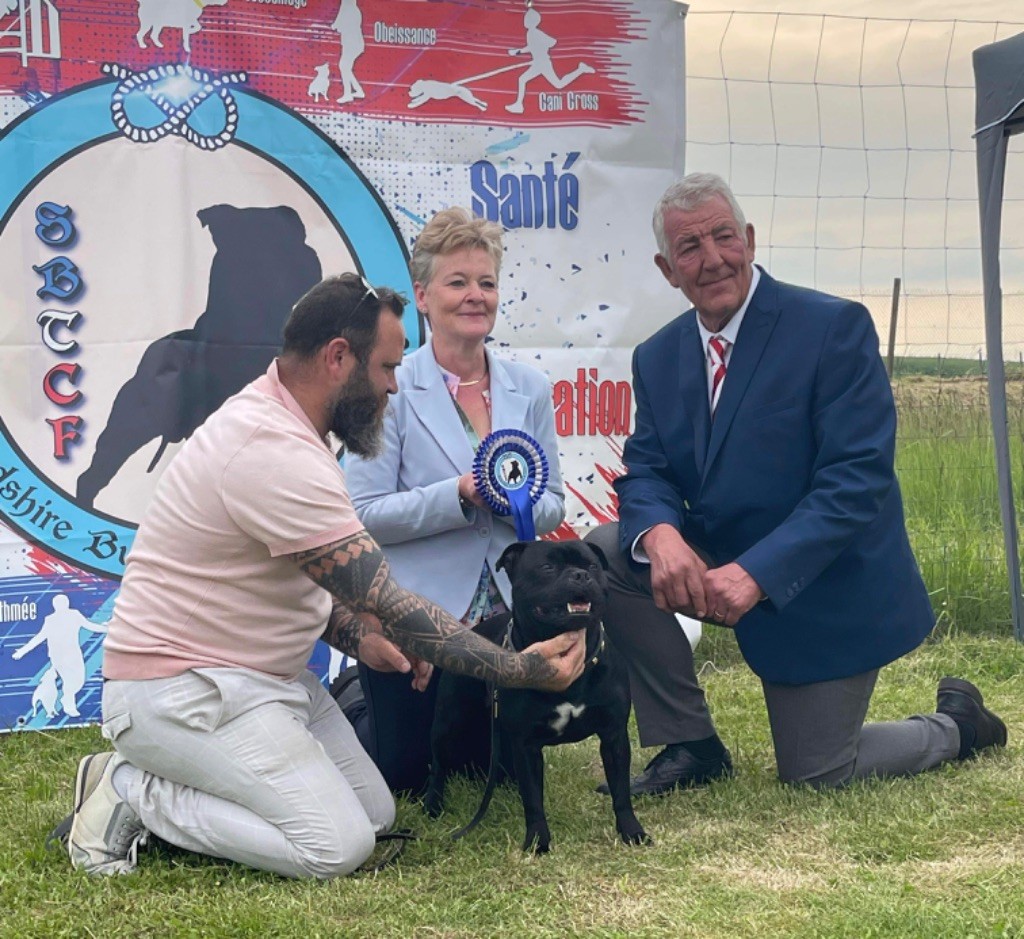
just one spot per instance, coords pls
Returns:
(677, 768)
(979, 727)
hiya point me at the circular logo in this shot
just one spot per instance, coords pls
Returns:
(511, 471)
(506, 462)
(153, 237)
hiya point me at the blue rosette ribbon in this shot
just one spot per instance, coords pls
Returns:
(511, 473)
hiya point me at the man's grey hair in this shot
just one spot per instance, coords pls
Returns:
(688, 193)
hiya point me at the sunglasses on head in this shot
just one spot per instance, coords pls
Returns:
(367, 292)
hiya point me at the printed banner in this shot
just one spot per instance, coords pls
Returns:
(174, 174)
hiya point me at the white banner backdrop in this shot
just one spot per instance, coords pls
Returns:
(174, 175)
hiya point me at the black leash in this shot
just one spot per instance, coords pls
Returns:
(492, 769)
(396, 841)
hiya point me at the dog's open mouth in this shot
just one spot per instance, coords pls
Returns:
(571, 608)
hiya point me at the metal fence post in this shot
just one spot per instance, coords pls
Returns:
(892, 325)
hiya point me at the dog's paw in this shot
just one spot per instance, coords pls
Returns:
(538, 839)
(634, 834)
(433, 804)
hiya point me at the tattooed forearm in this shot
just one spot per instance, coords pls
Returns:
(356, 573)
(345, 629)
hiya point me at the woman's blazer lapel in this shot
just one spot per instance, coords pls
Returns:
(509, 408)
(429, 399)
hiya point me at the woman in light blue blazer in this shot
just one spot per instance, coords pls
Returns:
(418, 498)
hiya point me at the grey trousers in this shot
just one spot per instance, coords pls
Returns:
(818, 729)
(240, 765)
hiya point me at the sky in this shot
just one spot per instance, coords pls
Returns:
(846, 131)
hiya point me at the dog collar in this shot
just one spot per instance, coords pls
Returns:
(599, 650)
(591, 662)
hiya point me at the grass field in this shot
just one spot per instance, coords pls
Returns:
(941, 366)
(935, 856)
(940, 855)
(946, 466)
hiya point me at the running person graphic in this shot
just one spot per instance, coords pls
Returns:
(538, 47)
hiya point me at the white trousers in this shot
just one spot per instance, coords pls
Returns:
(242, 766)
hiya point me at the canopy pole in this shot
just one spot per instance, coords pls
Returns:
(991, 150)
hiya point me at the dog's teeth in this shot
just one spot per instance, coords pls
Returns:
(578, 607)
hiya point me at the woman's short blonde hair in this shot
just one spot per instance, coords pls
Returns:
(451, 230)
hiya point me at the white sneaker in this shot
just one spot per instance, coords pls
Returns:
(106, 833)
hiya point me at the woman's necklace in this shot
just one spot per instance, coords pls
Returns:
(475, 381)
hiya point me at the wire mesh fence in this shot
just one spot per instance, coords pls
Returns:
(848, 141)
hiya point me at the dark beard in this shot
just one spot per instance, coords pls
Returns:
(358, 416)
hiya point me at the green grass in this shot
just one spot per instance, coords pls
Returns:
(941, 366)
(934, 856)
(946, 466)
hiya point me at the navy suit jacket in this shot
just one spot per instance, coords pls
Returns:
(793, 480)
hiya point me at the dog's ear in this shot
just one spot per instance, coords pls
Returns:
(213, 215)
(510, 557)
(600, 554)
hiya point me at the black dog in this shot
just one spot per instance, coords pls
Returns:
(515, 474)
(556, 587)
(261, 267)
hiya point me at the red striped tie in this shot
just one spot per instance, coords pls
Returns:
(717, 347)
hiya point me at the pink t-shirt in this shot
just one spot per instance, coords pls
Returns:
(207, 582)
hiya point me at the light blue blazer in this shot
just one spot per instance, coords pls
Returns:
(408, 497)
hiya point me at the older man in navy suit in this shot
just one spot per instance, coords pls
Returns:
(760, 494)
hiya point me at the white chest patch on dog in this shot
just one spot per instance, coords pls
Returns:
(566, 712)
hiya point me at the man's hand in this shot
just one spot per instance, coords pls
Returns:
(564, 655)
(382, 655)
(677, 573)
(730, 591)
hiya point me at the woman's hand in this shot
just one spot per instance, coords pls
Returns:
(468, 492)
